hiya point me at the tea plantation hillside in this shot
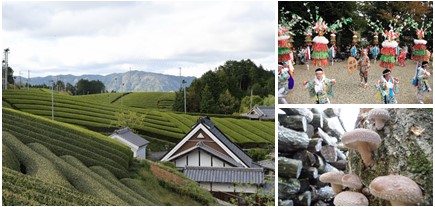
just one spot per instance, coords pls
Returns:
(95, 113)
(46, 162)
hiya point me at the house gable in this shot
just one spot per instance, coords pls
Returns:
(191, 139)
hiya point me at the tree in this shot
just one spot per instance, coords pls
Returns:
(71, 89)
(179, 101)
(207, 103)
(90, 87)
(227, 103)
(405, 149)
(245, 103)
(128, 119)
(269, 101)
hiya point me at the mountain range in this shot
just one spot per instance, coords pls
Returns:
(133, 81)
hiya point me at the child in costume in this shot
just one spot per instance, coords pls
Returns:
(283, 77)
(422, 83)
(364, 66)
(401, 58)
(387, 87)
(320, 87)
(375, 52)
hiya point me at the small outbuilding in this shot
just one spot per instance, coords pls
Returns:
(136, 143)
(261, 113)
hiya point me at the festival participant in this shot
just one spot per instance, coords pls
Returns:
(283, 79)
(364, 66)
(422, 83)
(402, 57)
(375, 52)
(320, 87)
(387, 88)
(332, 53)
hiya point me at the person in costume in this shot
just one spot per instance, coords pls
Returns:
(422, 83)
(402, 57)
(331, 52)
(387, 88)
(353, 51)
(364, 66)
(320, 88)
(375, 52)
(283, 77)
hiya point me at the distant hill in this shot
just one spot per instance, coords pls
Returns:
(134, 81)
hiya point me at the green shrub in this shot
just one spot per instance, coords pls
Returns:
(108, 180)
(257, 154)
(138, 187)
(17, 186)
(35, 165)
(9, 159)
(81, 181)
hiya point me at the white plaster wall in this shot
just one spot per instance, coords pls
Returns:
(217, 162)
(181, 161)
(205, 186)
(194, 158)
(206, 159)
(141, 153)
(223, 187)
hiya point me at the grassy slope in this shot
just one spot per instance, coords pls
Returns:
(93, 112)
(78, 181)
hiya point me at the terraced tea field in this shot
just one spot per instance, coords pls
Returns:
(94, 112)
(46, 162)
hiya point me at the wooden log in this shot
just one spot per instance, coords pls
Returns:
(332, 112)
(326, 125)
(299, 111)
(329, 153)
(340, 155)
(287, 203)
(289, 188)
(304, 199)
(305, 185)
(295, 122)
(340, 165)
(310, 130)
(317, 121)
(326, 138)
(316, 111)
(311, 173)
(327, 168)
(290, 140)
(315, 145)
(308, 159)
(334, 133)
(326, 194)
(289, 168)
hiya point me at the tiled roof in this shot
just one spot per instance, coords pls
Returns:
(265, 111)
(225, 174)
(269, 164)
(227, 142)
(131, 137)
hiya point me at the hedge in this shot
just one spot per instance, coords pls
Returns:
(9, 158)
(103, 142)
(106, 181)
(118, 184)
(35, 165)
(13, 181)
(118, 170)
(81, 181)
(137, 186)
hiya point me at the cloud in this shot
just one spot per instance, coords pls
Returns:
(52, 38)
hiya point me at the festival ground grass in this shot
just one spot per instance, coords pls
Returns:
(347, 90)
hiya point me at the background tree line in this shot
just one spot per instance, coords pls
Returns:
(227, 89)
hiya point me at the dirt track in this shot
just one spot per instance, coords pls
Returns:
(347, 90)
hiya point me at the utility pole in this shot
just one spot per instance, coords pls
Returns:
(52, 100)
(185, 108)
(180, 78)
(129, 80)
(20, 78)
(250, 103)
(28, 79)
(6, 51)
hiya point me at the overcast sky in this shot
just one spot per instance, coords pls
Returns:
(51, 38)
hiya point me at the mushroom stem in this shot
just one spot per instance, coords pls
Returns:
(336, 188)
(398, 203)
(379, 124)
(366, 154)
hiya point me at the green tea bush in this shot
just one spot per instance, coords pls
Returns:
(80, 180)
(9, 159)
(35, 165)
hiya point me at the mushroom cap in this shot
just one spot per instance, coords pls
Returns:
(352, 181)
(349, 198)
(355, 137)
(331, 177)
(396, 188)
(379, 114)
